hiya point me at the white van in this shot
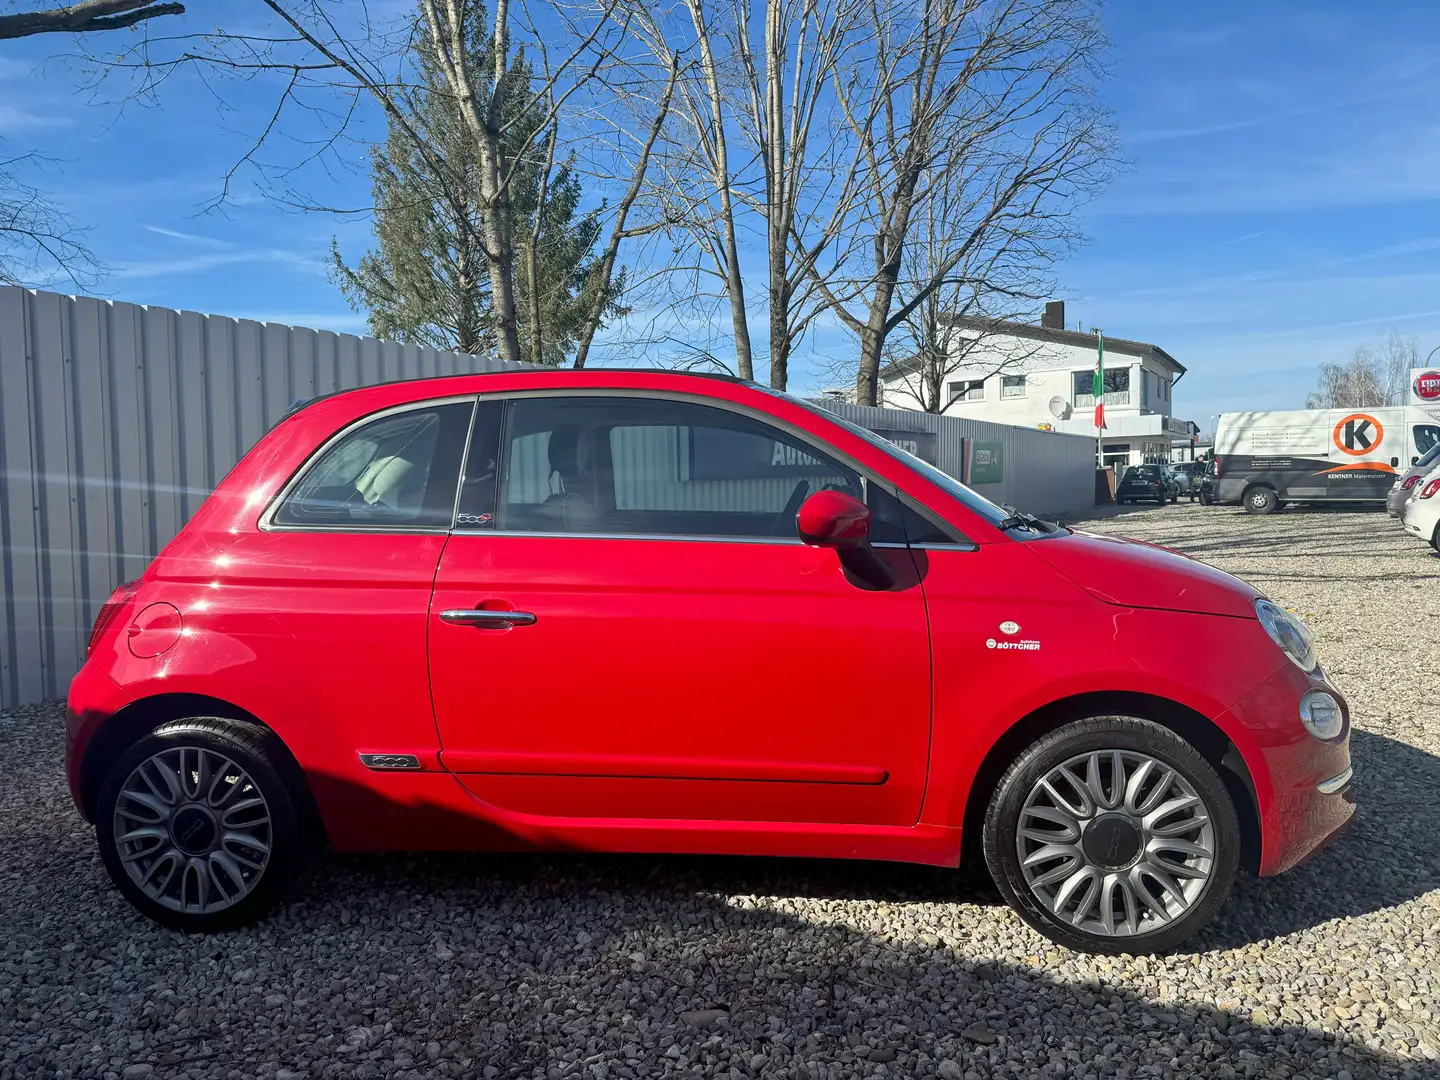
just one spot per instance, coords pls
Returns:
(1266, 459)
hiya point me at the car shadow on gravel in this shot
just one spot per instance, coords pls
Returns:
(550, 965)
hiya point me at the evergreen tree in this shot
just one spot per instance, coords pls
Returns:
(428, 279)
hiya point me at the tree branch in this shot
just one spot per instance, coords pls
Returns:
(91, 15)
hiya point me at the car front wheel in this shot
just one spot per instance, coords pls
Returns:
(199, 828)
(1113, 834)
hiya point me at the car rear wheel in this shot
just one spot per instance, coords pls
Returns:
(1113, 834)
(199, 828)
(1435, 537)
(1261, 500)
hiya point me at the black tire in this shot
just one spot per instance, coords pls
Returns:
(1122, 733)
(1174, 497)
(292, 831)
(1435, 538)
(1261, 500)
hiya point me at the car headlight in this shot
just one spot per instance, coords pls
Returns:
(1289, 632)
(1321, 714)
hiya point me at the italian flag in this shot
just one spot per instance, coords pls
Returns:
(1098, 389)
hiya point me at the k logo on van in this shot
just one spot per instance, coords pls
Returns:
(1359, 433)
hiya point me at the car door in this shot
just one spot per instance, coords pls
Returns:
(625, 624)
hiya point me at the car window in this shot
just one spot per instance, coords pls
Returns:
(1429, 457)
(971, 500)
(636, 466)
(1427, 438)
(399, 470)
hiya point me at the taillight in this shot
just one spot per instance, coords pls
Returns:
(1409, 482)
(112, 607)
(1430, 489)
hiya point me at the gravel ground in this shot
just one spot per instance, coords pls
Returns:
(614, 967)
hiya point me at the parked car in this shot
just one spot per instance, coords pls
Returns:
(1404, 485)
(1147, 482)
(1187, 475)
(1421, 513)
(663, 612)
(1207, 482)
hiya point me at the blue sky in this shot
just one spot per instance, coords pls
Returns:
(1280, 206)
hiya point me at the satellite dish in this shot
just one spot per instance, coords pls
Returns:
(1059, 407)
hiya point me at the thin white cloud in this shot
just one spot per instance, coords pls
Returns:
(15, 118)
(1379, 320)
(189, 238)
(201, 263)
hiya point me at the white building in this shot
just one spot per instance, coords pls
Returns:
(1043, 376)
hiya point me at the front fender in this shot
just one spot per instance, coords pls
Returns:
(1222, 660)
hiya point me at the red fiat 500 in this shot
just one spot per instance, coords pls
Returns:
(637, 611)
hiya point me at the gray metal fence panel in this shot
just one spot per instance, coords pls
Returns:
(116, 421)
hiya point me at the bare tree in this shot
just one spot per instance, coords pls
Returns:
(986, 102)
(1374, 378)
(959, 324)
(330, 57)
(39, 243)
(750, 156)
(85, 17)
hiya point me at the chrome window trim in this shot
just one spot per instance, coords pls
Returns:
(788, 541)
(266, 521)
(829, 450)
(681, 537)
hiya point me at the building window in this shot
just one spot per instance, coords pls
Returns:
(1117, 454)
(1117, 387)
(1012, 386)
(973, 390)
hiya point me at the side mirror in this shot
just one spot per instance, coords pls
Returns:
(834, 519)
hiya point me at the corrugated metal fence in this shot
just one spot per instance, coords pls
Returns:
(116, 421)
(1043, 472)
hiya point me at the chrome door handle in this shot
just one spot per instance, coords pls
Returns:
(475, 617)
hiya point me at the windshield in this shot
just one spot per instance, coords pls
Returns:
(947, 483)
(1143, 472)
(1429, 457)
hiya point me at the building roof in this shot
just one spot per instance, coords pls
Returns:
(1142, 349)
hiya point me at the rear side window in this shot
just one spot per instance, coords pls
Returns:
(1427, 438)
(397, 471)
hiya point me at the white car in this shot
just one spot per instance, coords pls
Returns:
(1421, 515)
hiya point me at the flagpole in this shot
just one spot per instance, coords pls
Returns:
(1099, 389)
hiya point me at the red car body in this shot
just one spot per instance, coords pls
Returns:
(675, 696)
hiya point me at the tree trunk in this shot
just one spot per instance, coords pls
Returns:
(779, 319)
(467, 324)
(734, 285)
(872, 337)
(776, 205)
(532, 253)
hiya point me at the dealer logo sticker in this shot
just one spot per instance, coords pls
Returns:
(1008, 627)
(1358, 434)
(1024, 646)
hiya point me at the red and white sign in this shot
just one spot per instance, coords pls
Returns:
(1427, 385)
